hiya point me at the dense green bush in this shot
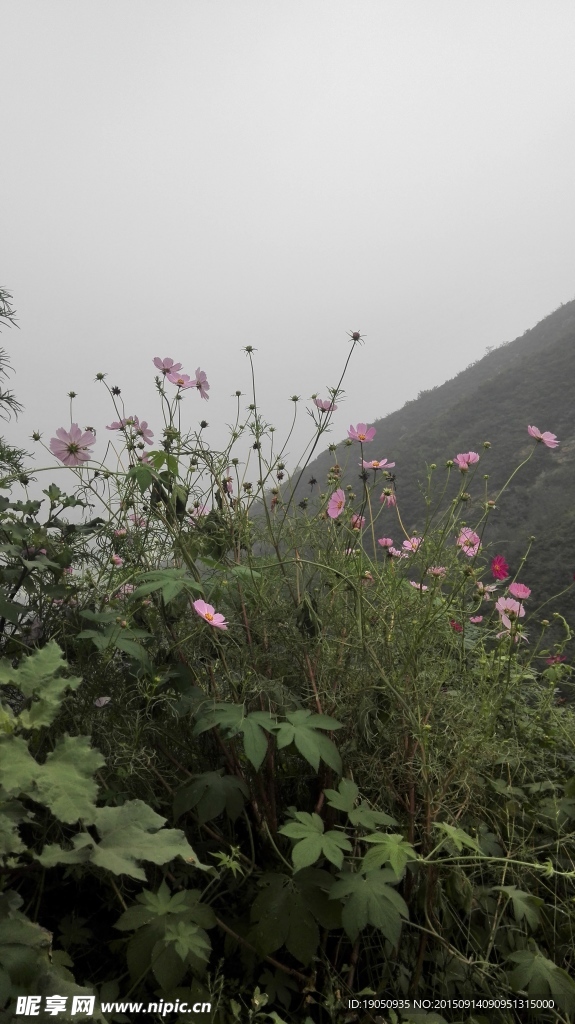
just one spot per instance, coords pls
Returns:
(273, 772)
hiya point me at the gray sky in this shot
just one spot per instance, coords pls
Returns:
(184, 178)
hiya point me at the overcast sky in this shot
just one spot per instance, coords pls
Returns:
(185, 178)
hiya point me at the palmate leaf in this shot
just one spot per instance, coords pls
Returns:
(64, 782)
(370, 900)
(540, 978)
(233, 719)
(210, 794)
(313, 842)
(525, 906)
(170, 581)
(458, 837)
(390, 849)
(38, 676)
(304, 729)
(344, 797)
(129, 834)
(284, 915)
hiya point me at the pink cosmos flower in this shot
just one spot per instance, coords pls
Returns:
(143, 430)
(167, 365)
(71, 446)
(548, 439)
(385, 542)
(361, 433)
(197, 513)
(418, 586)
(68, 570)
(336, 504)
(436, 570)
(509, 609)
(377, 464)
(412, 544)
(117, 560)
(465, 460)
(201, 383)
(118, 424)
(120, 533)
(555, 659)
(486, 589)
(397, 554)
(145, 458)
(357, 522)
(324, 405)
(388, 498)
(456, 626)
(183, 380)
(476, 618)
(207, 612)
(469, 542)
(519, 590)
(499, 568)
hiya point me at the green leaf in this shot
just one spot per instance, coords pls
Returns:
(303, 729)
(134, 649)
(64, 782)
(11, 610)
(186, 938)
(282, 916)
(525, 906)
(344, 797)
(142, 475)
(458, 837)
(390, 849)
(365, 817)
(132, 833)
(232, 718)
(540, 978)
(370, 900)
(210, 794)
(36, 677)
(313, 843)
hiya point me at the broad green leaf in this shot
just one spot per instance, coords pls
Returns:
(541, 977)
(133, 833)
(344, 797)
(186, 937)
(370, 900)
(282, 916)
(18, 769)
(233, 719)
(365, 817)
(390, 849)
(458, 837)
(525, 906)
(303, 729)
(134, 649)
(12, 813)
(312, 843)
(64, 782)
(210, 794)
(36, 676)
(11, 610)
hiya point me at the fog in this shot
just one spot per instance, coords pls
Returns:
(185, 179)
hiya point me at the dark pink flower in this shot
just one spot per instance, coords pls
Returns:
(469, 542)
(555, 659)
(137, 520)
(71, 446)
(436, 570)
(207, 612)
(465, 460)
(509, 609)
(182, 380)
(357, 522)
(324, 405)
(201, 383)
(117, 560)
(385, 542)
(336, 504)
(361, 433)
(167, 365)
(378, 464)
(519, 590)
(499, 568)
(476, 619)
(456, 626)
(548, 439)
(412, 544)
(388, 498)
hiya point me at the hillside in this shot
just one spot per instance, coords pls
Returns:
(526, 381)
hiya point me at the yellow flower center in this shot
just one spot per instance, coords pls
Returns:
(209, 616)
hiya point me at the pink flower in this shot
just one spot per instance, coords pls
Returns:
(509, 609)
(336, 504)
(71, 446)
(499, 568)
(555, 659)
(376, 464)
(118, 424)
(201, 383)
(207, 612)
(183, 380)
(486, 589)
(143, 430)
(361, 433)
(519, 590)
(412, 544)
(469, 542)
(357, 522)
(145, 458)
(397, 554)
(199, 511)
(456, 626)
(419, 586)
(436, 570)
(388, 498)
(352, 551)
(548, 439)
(385, 542)
(325, 405)
(117, 560)
(120, 533)
(167, 365)
(476, 618)
(125, 589)
(464, 461)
